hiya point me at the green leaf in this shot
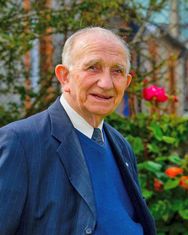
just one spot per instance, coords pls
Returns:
(169, 140)
(157, 132)
(184, 214)
(153, 148)
(161, 159)
(150, 166)
(161, 209)
(147, 194)
(181, 128)
(142, 180)
(160, 175)
(136, 143)
(177, 205)
(171, 183)
(175, 159)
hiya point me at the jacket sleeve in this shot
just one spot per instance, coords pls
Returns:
(13, 181)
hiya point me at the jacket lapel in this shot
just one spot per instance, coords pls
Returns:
(122, 163)
(70, 153)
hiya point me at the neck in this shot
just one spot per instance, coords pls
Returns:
(92, 119)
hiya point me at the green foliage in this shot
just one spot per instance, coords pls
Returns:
(159, 143)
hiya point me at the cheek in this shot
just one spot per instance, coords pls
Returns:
(81, 92)
(120, 88)
(85, 86)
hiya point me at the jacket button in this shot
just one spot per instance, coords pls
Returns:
(88, 231)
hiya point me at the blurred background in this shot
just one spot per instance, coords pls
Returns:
(153, 113)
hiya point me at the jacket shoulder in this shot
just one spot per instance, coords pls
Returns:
(27, 124)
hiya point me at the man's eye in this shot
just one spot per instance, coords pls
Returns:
(92, 68)
(118, 71)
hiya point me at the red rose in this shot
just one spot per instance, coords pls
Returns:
(173, 171)
(153, 91)
(158, 184)
(184, 182)
(149, 92)
(161, 95)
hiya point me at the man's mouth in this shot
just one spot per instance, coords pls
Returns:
(102, 97)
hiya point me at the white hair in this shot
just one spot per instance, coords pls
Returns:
(67, 55)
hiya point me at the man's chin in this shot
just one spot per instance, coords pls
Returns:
(102, 112)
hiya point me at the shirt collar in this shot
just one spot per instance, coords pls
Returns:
(78, 121)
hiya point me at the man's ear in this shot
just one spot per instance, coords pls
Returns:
(61, 73)
(129, 79)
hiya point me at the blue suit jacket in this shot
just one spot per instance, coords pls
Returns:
(45, 188)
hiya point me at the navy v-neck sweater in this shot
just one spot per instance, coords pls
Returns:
(115, 213)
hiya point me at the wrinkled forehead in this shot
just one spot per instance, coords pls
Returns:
(97, 37)
(91, 43)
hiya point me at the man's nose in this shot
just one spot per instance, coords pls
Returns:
(105, 80)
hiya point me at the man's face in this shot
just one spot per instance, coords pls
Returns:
(97, 79)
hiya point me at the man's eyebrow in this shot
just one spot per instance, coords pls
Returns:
(120, 66)
(98, 61)
(92, 62)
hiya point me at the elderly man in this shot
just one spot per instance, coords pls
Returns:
(64, 171)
